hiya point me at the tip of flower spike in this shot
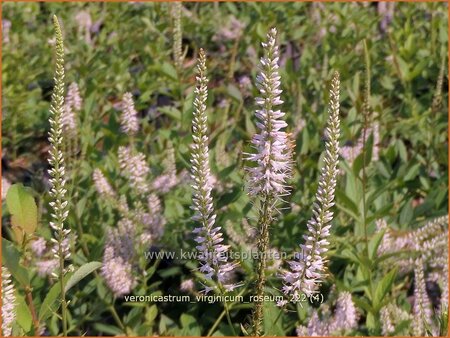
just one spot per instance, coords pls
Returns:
(201, 66)
(55, 21)
(336, 75)
(201, 55)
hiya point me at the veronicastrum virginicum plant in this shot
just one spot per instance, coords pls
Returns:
(58, 191)
(268, 182)
(213, 254)
(273, 162)
(58, 180)
(307, 271)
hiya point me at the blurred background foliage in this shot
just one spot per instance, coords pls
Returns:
(112, 48)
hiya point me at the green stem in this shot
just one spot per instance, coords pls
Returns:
(223, 313)
(112, 309)
(364, 178)
(367, 115)
(61, 281)
(233, 59)
(230, 323)
(366, 237)
(29, 300)
(117, 318)
(216, 323)
(265, 218)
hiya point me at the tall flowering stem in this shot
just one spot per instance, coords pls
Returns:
(57, 171)
(367, 113)
(177, 35)
(308, 270)
(212, 253)
(273, 161)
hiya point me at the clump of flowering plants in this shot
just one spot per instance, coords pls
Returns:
(152, 189)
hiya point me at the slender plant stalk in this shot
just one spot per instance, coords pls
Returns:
(233, 58)
(223, 314)
(432, 121)
(273, 159)
(216, 323)
(177, 36)
(177, 51)
(367, 119)
(230, 322)
(366, 115)
(265, 218)
(57, 171)
(35, 319)
(28, 289)
(116, 317)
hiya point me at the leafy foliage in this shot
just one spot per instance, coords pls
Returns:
(114, 48)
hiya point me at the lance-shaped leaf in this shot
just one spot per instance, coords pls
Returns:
(23, 210)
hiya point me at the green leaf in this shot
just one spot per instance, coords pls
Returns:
(81, 205)
(11, 259)
(404, 69)
(370, 321)
(406, 214)
(374, 243)
(229, 197)
(169, 70)
(171, 112)
(372, 196)
(345, 203)
(249, 127)
(383, 287)
(363, 304)
(412, 172)
(418, 68)
(365, 157)
(189, 325)
(81, 273)
(23, 315)
(272, 322)
(109, 329)
(23, 208)
(165, 323)
(402, 328)
(401, 148)
(234, 92)
(151, 314)
(50, 305)
(358, 164)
